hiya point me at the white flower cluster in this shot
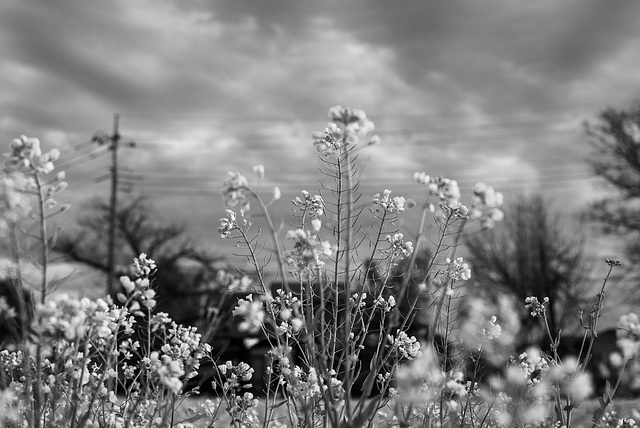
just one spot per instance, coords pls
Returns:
(405, 347)
(252, 313)
(347, 126)
(458, 270)
(313, 205)
(23, 164)
(63, 317)
(307, 249)
(26, 154)
(485, 205)
(233, 282)
(385, 305)
(493, 330)
(536, 308)
(143, 266)
(234, 189)
(388, 204)
(445, 189)
(529, 368)
(240, 406)
(628, 335)
(138, 295)
(454, 389)
(227, 224)
(14, 203)
(570, 379)
(399, 248)
(82, 332)
(168, 371)
(286, 307)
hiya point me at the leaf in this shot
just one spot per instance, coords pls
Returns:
(280, 404)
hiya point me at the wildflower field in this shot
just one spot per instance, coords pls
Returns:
(362, 326)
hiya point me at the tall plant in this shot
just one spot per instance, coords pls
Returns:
(336, 311)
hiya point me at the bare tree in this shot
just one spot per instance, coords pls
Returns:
(182, 267)
(616, 138)
(532, 254)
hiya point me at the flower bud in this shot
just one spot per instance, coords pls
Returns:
(258, 170)
(374, 140)
(54, 155)
(50, 203)
(61, 186)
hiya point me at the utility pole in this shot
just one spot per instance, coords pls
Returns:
(115, 139)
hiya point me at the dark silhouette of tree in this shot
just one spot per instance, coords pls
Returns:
(616, 139)
(182, 267)
(532, 254)
(16, 310)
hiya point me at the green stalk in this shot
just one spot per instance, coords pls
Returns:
(43, 290)
(347, 285)
(274, 237)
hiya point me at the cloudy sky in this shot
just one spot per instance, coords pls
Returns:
(486, 90)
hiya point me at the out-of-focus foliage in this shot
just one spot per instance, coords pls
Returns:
(616, 139)
(531, 255)
(184, 269)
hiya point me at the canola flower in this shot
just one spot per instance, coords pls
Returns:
(396, 204)
(628, 335)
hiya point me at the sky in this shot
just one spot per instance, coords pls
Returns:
(493, 91)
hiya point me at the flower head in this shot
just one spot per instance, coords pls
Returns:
(613, 262)
(485, 205)
(445, 189)
(313, 205)
(227, 224)
(26, 154)
(537, 309)
(399, 248)
(628, 335)
(388, 204)
(458, 270)
(405, 347)
(347, 126)
(234, 189)
(252, 313)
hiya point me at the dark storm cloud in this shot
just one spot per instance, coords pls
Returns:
(501, 54)
(189, 77)
(58, 39)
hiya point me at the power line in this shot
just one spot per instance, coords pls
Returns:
(540, 162)
(411, 139)
(436, 128)
(400, 191)
(377, 187)
(562, 165)
(73, 162)
(81, 145)
(77, 185)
